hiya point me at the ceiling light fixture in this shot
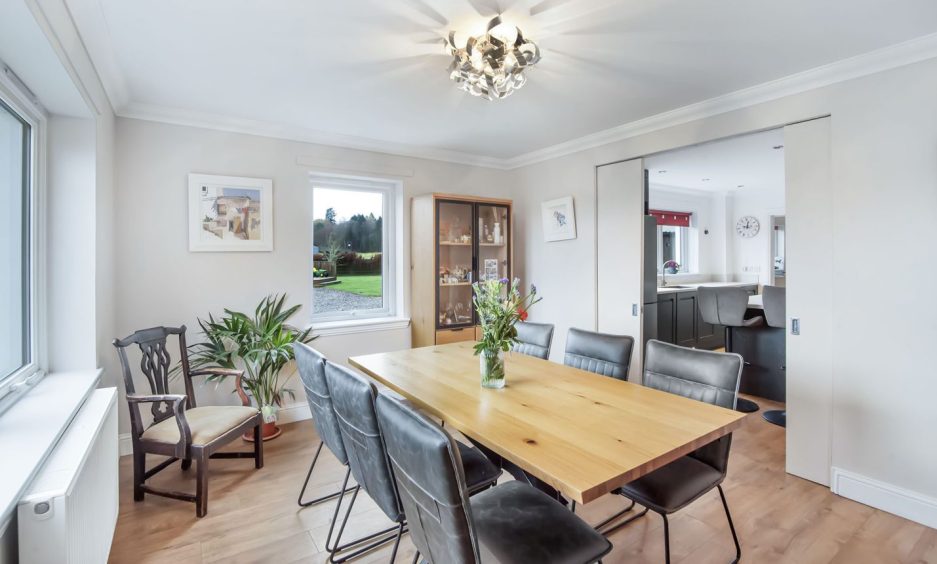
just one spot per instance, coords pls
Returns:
(492, 65)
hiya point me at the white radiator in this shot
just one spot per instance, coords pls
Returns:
(69, 512)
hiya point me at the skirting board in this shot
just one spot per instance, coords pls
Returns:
(288, 414)
(887, 497)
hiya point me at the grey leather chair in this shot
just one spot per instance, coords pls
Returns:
(510, 523)
(608, 355)
(726, 306)
(311, 365)
(533, 339)
(706, 376)
(775, 304)
(353, 398)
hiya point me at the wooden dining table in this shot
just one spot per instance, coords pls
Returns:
(579, 432)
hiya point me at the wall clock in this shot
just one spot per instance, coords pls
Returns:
(747, 226)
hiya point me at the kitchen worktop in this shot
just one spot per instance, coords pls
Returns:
(679, 287)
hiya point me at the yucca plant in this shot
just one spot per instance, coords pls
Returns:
(260, 345)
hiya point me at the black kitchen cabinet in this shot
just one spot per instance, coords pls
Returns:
(679, 321)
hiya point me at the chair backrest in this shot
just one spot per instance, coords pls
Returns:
(353, 400)
(155, 364)
(534, 339)
(311, 365)
(431, 483)
(722, 305)
(608, 355)
(706, 376)
(775, 303)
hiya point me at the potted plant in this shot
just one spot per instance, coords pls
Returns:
(260, 345)
(500, 306)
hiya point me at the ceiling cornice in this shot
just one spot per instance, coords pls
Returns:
(890, 57)
(177, 116)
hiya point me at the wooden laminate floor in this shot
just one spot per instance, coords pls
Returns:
(253, 516)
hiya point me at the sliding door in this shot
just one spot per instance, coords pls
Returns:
(619, 204)
(809, 281)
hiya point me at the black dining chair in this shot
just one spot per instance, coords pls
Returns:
(534, 339)
(353, 398)
(726, 306)
(706, 376)
(775, 304)
(511, 523)
(608, 355)
(311, 365)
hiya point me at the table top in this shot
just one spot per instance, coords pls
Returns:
(582, 433)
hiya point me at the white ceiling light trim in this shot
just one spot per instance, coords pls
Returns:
(894, 56)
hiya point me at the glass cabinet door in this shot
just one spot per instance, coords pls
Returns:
(494, 242)
(454, 247)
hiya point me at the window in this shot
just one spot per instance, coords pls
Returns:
(673, 241)
(354, 248)
(18, 347)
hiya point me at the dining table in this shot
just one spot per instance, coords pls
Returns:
(581, 433)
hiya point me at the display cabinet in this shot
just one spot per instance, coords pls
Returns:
(455, 241)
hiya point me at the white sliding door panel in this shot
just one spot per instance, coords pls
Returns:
(809, 209)
(619, 240)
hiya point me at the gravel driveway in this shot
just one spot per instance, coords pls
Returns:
(329, 299)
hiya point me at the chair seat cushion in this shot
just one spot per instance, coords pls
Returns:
(674, 486)
(754, 322)
(518, 523)
(206, 423)
(479, 471)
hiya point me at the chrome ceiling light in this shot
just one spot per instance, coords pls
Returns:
(492, 65)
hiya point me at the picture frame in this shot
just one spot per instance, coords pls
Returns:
(559, 219)
(230, 213)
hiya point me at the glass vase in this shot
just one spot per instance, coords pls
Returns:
(491, 366)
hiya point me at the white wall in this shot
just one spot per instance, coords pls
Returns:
(884, 130)
(750, 259)
(159, 282)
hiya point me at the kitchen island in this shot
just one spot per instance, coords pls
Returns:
(678, 318)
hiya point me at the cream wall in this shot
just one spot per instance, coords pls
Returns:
(159, 282)
(884, 158)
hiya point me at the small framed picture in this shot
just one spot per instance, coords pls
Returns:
(491, 269)
(230, 213)
(559, 219)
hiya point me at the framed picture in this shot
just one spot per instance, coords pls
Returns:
(491, 270)
(559, 219)
(230, 213)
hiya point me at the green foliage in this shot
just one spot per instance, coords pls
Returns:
(361, 284)
(499, 312)
(261, 345)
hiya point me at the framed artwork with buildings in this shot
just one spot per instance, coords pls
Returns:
(230, 213)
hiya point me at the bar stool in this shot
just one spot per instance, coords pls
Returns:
(775, 303)
(726, 306)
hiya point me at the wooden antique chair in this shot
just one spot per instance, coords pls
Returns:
(180, 429)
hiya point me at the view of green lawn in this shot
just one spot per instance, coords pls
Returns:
(361, 284)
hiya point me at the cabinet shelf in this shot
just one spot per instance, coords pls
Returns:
(449, 285)
(449, 244)
(491, 244)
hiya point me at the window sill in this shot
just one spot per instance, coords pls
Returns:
(351, 326)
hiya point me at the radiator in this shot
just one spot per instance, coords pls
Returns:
(69, 511)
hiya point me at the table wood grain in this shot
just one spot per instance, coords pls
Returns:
(582, 433)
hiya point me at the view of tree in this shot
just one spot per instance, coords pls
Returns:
(330, 215)
(360, 233)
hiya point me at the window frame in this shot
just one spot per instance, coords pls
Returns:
(27, 109)
(391, 191)
(683, 247)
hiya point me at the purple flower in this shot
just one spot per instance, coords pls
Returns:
(503, 281)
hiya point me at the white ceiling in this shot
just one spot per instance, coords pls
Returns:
(746, 163)
(374, 69)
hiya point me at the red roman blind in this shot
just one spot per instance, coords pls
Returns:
(677, 219)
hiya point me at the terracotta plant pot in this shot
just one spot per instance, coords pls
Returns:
(268, 432)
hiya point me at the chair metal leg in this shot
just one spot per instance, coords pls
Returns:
(616, 516)
(326, 497)
(339, 548)
(735, 538)
(338, 505)
(666, 539)
(572, 506)
(416, 557)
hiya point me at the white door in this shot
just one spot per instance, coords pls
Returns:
(809, 281)
(619, 202)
